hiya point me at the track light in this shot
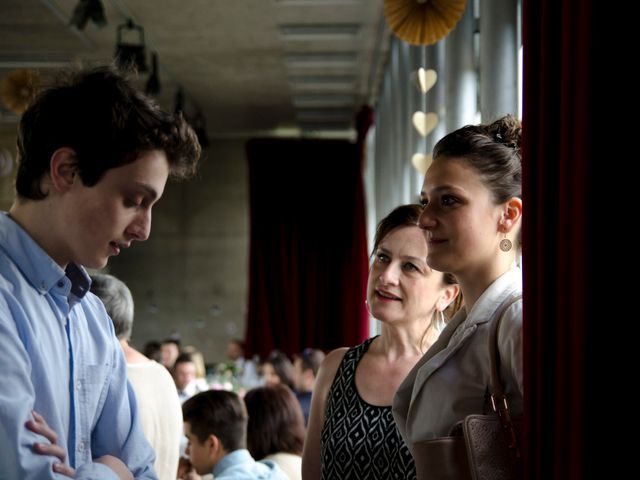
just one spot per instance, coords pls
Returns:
(131, 55)
(199, 125)
(178, 106)
(88, 10)
(153, 82)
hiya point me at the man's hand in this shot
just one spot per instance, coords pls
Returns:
(186, 470)
(39, 426)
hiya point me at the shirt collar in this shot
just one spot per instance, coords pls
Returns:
(233, 458)
(36, 265)
(503, 287)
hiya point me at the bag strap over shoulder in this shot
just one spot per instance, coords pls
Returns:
(498, 398)
(497, 387)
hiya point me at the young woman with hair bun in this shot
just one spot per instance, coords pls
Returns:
(471, 217)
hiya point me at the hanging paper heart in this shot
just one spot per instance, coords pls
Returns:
(425, 122)
(421, 162)
(427, 79)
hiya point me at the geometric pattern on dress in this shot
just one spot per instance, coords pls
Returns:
(358, 440)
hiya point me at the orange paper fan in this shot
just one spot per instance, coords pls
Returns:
(423, 22)
(19, 88)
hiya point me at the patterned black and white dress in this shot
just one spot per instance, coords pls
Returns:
(359, 440)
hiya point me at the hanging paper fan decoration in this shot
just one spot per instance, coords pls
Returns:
(19, 88)
(423, 22)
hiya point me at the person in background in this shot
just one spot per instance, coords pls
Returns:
(275, 430)
(151, 350)
(305, 369)
(215, 424)
(169, 352)
(201, 368)
(351, 415)
(160, 411)
(185, 379)
(94, 155)
(471, 218)
(246, 370)
(277, 369)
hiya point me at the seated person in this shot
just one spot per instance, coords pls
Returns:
(184, 376)
(276, 428)
(305, 369)
(277, 369)
(169, 352)
(215, 424)
(151, 350)
(246, 370)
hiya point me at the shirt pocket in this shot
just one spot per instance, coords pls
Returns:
(91, 390)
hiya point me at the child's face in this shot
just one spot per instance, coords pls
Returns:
(200, 453)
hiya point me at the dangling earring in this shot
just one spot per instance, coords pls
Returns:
(505, 244)
(439, 322)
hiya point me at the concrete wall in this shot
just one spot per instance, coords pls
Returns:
(190, 277)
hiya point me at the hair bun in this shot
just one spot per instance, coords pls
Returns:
(507, 130)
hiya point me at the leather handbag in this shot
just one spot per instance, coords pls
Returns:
(481, 447)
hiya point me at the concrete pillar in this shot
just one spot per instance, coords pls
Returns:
(435, 98)
(499, 46)
(460, 77)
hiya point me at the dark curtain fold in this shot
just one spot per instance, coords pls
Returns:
(308, 259)
(560, 157)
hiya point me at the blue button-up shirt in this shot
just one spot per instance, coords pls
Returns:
(240, 465)
(59, 356)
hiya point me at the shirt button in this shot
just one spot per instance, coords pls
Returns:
(81, 447)
(79, 385)
(60, 284)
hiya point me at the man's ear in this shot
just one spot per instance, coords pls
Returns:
(215, 448)
(63, 169)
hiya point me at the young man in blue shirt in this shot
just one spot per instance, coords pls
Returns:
(215, 424)
(94, 155)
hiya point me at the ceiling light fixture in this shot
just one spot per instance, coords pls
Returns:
(178, 105)
(88, 10)
(321, 59)
(199, 124)
(323, 100)
(153, 82)
(131, 54)
(303, 32)
(326, 83)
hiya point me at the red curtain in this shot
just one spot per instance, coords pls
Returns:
(563, 187)
(308, 259)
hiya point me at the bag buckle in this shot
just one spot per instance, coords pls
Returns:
(505, 420)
